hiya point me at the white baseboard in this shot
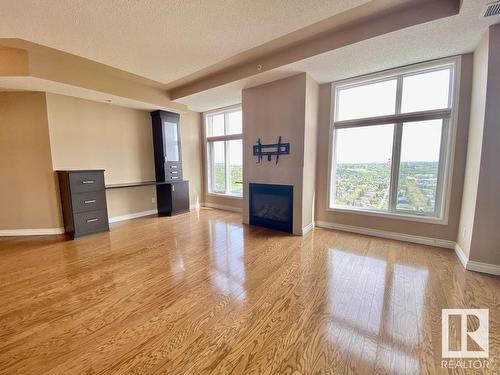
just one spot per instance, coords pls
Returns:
(135, 215)
(223, 207)
(492, 269)
(472, 265)
(31, 232)
(390, 235)
(307, 228)
(51, 231)
(461, 255)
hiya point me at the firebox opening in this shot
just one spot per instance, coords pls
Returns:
(271, 206)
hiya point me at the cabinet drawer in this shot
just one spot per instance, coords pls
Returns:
(86, 181)
(89, 201)
(173, 171)
(173, 165)
(91, 222)
(174, 176)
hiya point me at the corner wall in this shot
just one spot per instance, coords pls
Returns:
(481, 218)
(475, 138)
(28, 192)
(310, 155)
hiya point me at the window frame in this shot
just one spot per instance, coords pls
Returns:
(448, 137)
(209, 140)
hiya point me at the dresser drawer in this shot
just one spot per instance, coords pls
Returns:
(91, 222)
(86, 181)
(89, 201)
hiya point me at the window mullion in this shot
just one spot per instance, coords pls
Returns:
(396, 149)
(396, 156)
(404, 117)
(226, 164)
(211, 163)
(226, 153)
(441, 167)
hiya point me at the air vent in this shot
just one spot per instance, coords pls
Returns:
(492, 9)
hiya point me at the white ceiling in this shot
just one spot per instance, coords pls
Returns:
(162, 40)
(446, 37)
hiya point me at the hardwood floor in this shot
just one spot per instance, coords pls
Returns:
(202, 293)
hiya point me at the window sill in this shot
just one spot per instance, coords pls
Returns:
(392, 215)
(221, 195)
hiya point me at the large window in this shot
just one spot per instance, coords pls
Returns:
(391, 141)
(223, 131)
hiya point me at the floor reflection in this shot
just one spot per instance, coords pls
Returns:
(227, 258)
(177, 266)
(358, 299)
(404, 318)
(376, 309)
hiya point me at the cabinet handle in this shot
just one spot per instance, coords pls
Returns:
(173, 166)
(92, 220)
(90, 201)
(87, 181)
(174, 172)
(173, 187)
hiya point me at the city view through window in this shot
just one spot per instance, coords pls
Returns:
(366, 157)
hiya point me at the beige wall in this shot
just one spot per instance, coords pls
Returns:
(230, 203)
(478, 100)
(283, 108)
(13, 62)
(191, 139)
(444, 232)
(86, 134)
(28, 192)
(485, 242)
(90, 135)
(310, 141)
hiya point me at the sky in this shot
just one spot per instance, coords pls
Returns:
(234, 126)
(421, 140)
(373, 144)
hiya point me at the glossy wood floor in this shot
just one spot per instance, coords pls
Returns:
(202, 293)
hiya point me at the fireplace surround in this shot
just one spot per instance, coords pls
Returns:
(271, 206)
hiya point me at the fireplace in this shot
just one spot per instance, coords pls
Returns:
(271, 206)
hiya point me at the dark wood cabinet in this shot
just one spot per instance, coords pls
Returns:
(83, 201)
(172, 192)
(172, 198)
(167, 145)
